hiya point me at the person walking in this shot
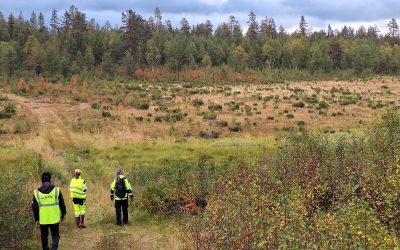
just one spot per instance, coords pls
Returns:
(77, 189)
(48, 210)
(120, 190)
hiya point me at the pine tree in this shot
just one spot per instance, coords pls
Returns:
(373, 32)
(234, 27)
(303, 26)
(157, 19)
(330, 31)
(335, 52)
(41, 22)
(33, 21)
(4, 35)
(134, 31)
(361, 32)
(54, 21)
(393, 28)
(11, 26)
(168, 26)
(185, 27)
(282, 31)
(252, 31)
(8, 58)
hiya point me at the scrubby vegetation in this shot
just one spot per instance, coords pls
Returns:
(325, 192)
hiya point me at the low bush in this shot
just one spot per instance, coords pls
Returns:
(298, 104)
(236, 127)
(8, 111)
(215, 107)
(197, 102)
(105, 114)
(96, 105)
(143, 106)
(323, 105)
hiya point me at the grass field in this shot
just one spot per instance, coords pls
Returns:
(176, 142)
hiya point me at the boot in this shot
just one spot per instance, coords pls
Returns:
(82, 221)
(77, 221)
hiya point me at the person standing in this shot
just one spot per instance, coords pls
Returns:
(120, 190)
(77, 189)
(48, 210)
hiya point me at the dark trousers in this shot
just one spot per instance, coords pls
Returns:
(124, 205)
(55, 235)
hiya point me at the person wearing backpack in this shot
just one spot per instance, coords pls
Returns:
(48, 210)
(77, 189)
(120, 190)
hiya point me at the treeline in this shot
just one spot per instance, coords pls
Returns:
(71, 44)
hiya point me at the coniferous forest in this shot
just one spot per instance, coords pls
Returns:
(72, 44)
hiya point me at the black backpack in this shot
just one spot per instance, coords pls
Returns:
(120, 188)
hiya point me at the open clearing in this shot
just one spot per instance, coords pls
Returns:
(145, 111)
(142, 124)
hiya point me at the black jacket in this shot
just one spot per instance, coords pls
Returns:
(46, 188)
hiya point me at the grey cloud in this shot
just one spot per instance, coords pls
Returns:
(285, 12)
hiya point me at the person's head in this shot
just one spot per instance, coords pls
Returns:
(77, 173)
(46, 177)
(118, 171)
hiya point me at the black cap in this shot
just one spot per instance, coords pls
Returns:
(46, 177)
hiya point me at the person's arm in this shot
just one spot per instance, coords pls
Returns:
(129, 189)
(61, 203)
(112, 190)
(35, 209)
(84, 186)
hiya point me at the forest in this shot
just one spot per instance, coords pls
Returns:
(72, 44)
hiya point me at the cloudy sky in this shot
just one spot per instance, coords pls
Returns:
(318, 13)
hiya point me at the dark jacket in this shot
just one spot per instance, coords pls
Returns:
(46, 188)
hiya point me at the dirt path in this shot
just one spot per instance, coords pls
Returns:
(43, 110)
(101, 233)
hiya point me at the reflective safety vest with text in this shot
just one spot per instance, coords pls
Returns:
(49, 209)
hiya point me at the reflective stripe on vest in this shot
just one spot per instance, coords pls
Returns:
(76, 188)
(49, 210)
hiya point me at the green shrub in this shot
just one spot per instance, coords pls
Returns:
(3, 98)
(216, 107)
(301, 123)
(197, 102)
(143, 106)
(298, 104)
(134, 87)
(236, 127)
(105, 114)
(209, 115)
(139, 118)
(96, 105)
(323, 105)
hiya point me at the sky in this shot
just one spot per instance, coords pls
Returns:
(318, 13)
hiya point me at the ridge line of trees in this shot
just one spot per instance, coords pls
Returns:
(71, 44)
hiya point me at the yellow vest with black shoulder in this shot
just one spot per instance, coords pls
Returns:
(49, 209)
(77, 188)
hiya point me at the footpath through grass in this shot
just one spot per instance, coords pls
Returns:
(153, 168)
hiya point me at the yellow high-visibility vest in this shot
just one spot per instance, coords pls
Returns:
(49, 209)
(77, 188)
